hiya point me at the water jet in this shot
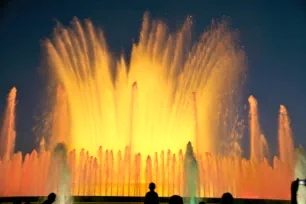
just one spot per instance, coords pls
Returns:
(123, 131)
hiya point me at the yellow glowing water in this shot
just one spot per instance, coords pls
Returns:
(182, 92)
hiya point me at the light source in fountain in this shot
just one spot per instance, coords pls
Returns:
(125, 123)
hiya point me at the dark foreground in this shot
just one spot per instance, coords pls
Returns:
(127, 200)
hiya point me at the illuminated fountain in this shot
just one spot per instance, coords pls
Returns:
(126, 124)
(300, 172)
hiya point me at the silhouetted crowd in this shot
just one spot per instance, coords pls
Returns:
(151, 197)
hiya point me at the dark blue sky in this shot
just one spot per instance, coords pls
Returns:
(272, 32)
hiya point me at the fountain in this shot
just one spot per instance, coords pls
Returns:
(117, 125)
(191, 175)
(59, 175)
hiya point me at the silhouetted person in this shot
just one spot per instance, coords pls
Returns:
(51, 198)
(151, 196)
(202, 202)
(294, 189)
(176, 199)
(227, 198)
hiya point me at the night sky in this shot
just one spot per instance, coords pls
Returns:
(273, 34)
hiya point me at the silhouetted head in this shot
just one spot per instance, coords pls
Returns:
(202, 202)
(176, 199)
(51, 197)
(152, 186)
(227, 198)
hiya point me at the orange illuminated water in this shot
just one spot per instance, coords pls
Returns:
(8, 134)
(127, 123)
